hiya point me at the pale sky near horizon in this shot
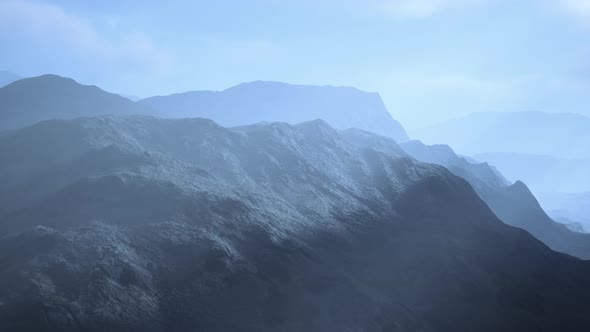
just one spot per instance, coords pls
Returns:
(430, 60)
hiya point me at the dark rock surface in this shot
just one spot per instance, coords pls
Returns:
(145, 224)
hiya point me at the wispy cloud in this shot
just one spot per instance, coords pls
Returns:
(578, 7)
(398, 10)
(419, 9)
(47, 25)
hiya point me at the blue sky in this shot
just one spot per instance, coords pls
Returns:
(429, 59)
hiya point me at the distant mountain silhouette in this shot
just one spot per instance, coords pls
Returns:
(512, 203)
(35, 99)
(142, 224)
(562, 135)
(341, 107)
(555, 181)
(7, 78)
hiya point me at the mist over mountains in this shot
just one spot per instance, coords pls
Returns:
(571, 209)
(549, 152)
(542, 173)
(559, 135)
(130, 222)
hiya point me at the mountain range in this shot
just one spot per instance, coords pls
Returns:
(143, 224)
(35, 99)
(64, 98)
(135, 223)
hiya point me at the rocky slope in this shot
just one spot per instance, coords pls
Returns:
(145, 224)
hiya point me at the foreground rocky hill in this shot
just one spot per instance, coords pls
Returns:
(145, 224)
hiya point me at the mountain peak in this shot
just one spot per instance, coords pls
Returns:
(48, 81)
(35, 99)
(54, 77)
(316, 123)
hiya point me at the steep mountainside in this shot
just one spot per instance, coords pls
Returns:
(514, 204)
(559, 135)
(35, 99)
(145, 224)
(247, 103)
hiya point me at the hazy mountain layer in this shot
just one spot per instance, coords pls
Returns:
(182, 225)
(559, 183)
(341, 107)
(561, 135)
(543, 174)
